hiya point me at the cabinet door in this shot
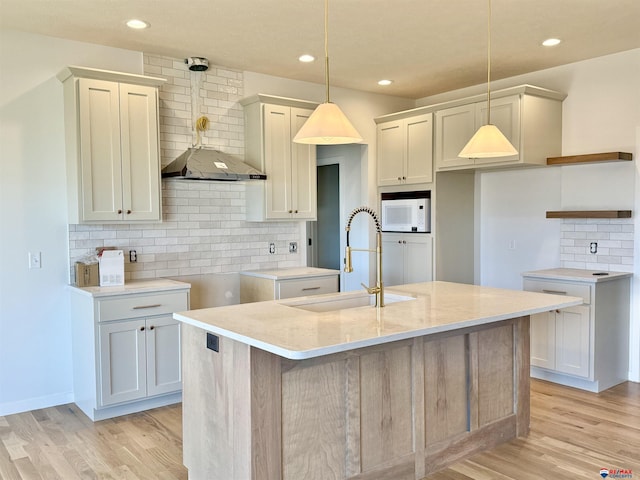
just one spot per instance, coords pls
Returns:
(573, 341)
(164, 370)
(392, 259)
(303, 171)
(277, 155)
(390, 145)
(122, 362)
(140, 156)
(454, 128)
(418, 258)
(100, 150)
(505, 114)
(419, 149)
(543, 340)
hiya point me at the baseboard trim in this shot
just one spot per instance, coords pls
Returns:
(10, 408)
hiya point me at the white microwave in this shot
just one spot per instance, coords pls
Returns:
(406, 212)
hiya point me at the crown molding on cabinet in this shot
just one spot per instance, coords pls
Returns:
(589, 214)
(97, 74)
(590, 158)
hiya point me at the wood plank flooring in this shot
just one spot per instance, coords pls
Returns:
(573, 435)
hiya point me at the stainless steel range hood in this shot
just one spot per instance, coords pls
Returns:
(208, 164)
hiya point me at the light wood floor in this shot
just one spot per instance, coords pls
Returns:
(573, 435)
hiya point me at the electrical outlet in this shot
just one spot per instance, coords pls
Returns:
(593, 247)
(272, 248)
(35, 260)
(133, 256)
(293, 247)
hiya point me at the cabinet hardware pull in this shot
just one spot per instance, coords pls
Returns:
(151, 327)
(399, 178)
(119, 211)
(400, 242)
(128, 212)
(404, 178)
(296, 211)
(555, 292)
(147, 306)
(290, 211)
(142, 329)
(306, 289)
(404, 242)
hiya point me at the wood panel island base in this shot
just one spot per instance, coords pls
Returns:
(408, 397)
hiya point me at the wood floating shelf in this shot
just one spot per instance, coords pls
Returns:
(590, 158)
(590, 214)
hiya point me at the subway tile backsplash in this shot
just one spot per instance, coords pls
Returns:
(204, 229)
(613, 236)
(203, 232)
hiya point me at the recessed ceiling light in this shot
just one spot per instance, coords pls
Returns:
(137, 24)
(551, 42)
(385, 82)
(306, 58)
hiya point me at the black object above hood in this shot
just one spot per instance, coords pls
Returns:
(208, 164)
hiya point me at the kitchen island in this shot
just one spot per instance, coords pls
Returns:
(328, 387)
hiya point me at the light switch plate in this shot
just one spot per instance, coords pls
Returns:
(35, 260)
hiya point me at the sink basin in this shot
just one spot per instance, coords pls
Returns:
(332, 303)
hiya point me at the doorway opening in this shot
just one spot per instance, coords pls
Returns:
(339, 181)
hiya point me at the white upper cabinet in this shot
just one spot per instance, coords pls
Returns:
(530, 117)
(405, 150)
(112, 136)
(289, 193)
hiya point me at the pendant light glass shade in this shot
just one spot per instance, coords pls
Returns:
(327, 125)
(488, 141)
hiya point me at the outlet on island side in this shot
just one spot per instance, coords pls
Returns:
(272, 247)
(593, 247)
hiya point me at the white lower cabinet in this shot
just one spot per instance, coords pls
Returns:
(560, 340)
(126, 349)
(585, 346)
(139, 358)
(406, 258)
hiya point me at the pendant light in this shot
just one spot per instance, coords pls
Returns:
(327, 125)
(488, 141)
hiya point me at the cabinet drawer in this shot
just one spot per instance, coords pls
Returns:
(559, 288)
(306, 286)
(135, 306)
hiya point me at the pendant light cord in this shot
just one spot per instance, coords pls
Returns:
(326, 46)
(489, 64)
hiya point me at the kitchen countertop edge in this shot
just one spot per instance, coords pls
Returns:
(132, 287)
(371, 340)
(291, 273)
(575, 275)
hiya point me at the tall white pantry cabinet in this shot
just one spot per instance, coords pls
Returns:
(126, 346)
(112, 142)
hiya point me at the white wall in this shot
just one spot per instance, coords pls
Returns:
(35, 337)
(600, 114)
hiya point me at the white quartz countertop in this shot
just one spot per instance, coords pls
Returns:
(290, 273)
(576, 275)
(133, 287)
(282, 328)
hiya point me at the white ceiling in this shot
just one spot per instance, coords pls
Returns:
(424, 46)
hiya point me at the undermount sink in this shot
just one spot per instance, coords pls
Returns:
(331, 303)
